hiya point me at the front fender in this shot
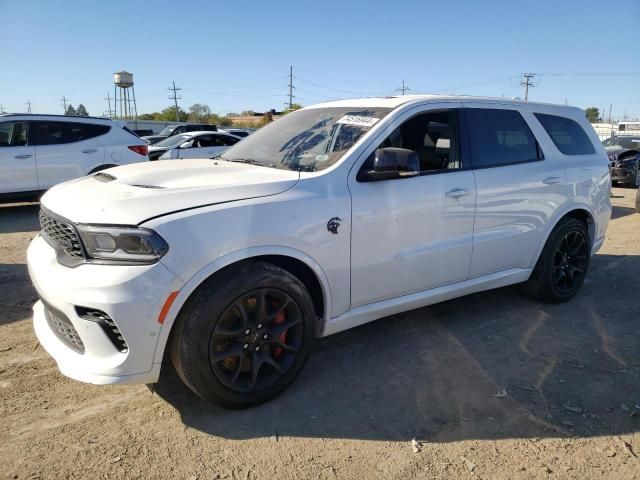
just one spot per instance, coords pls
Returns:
(196, 280)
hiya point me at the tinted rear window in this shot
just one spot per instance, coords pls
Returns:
(567, 135)
(55, 133)
(500, 137)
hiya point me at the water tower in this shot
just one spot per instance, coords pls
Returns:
(123, 81)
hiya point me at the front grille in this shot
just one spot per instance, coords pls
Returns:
(60, 235)
(108, 326)
(63, 329)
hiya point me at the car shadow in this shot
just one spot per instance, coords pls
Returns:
(17, 294)
(491, 365)
(619, 212)
(19, 218)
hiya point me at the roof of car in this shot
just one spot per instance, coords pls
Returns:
(48, 115)
(396, 101)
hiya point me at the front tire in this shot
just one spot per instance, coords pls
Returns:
(563, 264)
(244, 335)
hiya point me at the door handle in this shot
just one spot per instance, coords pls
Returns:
(20, 157)
(551, 180)
(90, 150)
(457, 192)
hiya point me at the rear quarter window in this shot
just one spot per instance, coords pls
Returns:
(567, 135)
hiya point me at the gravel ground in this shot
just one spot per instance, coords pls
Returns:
(491, 386)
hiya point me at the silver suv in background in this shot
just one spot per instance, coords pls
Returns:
(39, 151)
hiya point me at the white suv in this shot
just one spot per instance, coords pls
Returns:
(39, 151)
(328, 218)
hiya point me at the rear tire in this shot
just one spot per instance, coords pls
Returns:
(563, 263)
(244, 335)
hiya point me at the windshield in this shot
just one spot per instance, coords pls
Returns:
(307, 140)
(632, 143)
(173, 141)
(167, 130)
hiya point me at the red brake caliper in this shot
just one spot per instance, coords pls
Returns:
(280, 318)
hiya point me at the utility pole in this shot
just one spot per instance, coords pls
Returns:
(64, 103)
(28, 104)
(108, 99)
(404, 88)
(2, 108)
(175, 98)
(290, 87)
(526, 83)
(610, 107)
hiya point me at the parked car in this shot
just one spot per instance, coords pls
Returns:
(171, 130)
(144, 132)
(238, 132)
(624, 156)
(192, 145)
(38, 151)
(328, 218)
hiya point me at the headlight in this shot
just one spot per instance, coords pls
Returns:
(131, 245)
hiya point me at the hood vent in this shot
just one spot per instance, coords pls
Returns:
(104, 177)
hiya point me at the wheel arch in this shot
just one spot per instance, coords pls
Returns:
(579, 212)
(101, 167)
(299, 264)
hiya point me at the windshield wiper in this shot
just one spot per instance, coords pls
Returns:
(250, 161)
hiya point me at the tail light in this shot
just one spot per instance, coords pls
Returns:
(140, 149)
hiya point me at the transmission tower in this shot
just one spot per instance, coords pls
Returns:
(403, 88)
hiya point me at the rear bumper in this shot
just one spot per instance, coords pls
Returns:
(131, 296)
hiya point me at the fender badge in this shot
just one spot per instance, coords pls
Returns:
(333, 224)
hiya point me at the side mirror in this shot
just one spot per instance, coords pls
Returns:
(394, 162)
(188, 144)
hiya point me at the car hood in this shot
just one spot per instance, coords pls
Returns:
(132, 194)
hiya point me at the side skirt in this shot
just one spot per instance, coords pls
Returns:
(373, 311)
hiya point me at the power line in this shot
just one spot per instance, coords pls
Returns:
(526, 83)
(175, 98)
(28, 104)
(64, 103)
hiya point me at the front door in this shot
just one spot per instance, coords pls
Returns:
(17, 159)
(415, 233)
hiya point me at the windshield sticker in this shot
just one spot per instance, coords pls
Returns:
(358, 121)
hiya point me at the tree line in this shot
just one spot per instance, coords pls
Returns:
(199, 113)
(79, 112)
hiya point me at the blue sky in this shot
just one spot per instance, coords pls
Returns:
(235, 56)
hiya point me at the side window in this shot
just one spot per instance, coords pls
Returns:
(14, 134)
(433, 136)
(228, 140)
(567, 135)
(500, 137)
(203, 141)
(58, 133)
(180, 129)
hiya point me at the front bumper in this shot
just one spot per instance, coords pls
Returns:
(132, 296)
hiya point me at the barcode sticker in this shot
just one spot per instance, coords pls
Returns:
(358, 120)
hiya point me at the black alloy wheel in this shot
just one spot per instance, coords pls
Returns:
(256, 340)
(570, 262)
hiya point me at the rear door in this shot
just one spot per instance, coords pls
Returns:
(66, 150)
(17, 159)
(519, 187)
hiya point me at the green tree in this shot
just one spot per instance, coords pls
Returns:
(199, 113)
(148, 116)
(247, 113)
(169, 115)
(82, 112)
(71, 111)
(225, 122)
(593, 114)
(294, 107)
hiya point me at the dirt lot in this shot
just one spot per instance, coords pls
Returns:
(492, 386)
